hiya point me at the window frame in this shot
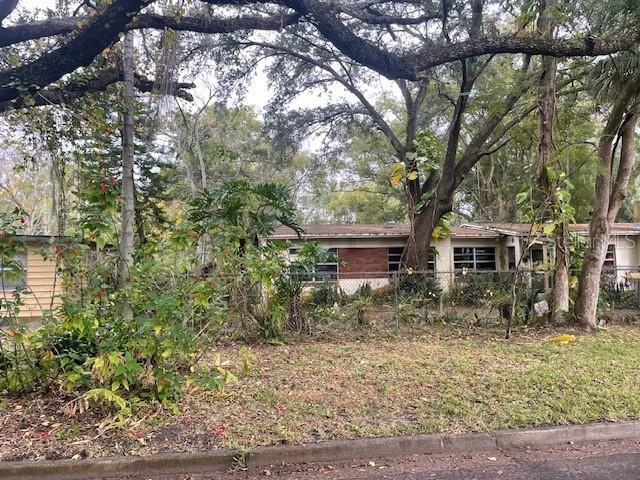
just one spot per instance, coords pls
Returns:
(610, 264)
(13, 285)
(332, 268)
(471, 260)
(431, 265)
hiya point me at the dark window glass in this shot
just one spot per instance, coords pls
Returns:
(395, 259)
(474, 258)
(511, 258)
(610, 258)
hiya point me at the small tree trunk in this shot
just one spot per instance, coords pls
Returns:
(128, 190)
(560, 293)
(546, 121)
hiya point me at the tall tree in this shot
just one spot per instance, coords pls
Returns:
(128, 206)
(616, 153)
(549, 182)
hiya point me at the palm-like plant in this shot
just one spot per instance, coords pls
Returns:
(244, 212)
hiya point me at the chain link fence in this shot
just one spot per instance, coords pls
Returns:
(478, 297)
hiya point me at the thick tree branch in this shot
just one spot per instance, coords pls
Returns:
(215, 25)
(575, 47)
(6, 7)
(77, 88)
(23, 32)
(100, 32)
(62, 26)
(362, 51)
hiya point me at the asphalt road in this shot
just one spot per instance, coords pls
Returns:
(600, 461)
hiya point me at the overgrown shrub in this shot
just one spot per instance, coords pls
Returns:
(476, 289)
(614, 294)
(358, 309)
(425, 287)
(326, 294)
(363, 291)
(98, 353)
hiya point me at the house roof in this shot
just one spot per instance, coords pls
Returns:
(582, 228)
(390, 230)
(401, 230)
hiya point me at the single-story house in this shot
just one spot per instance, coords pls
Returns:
(40, 286)
(371, 253)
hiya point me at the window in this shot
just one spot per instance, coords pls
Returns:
(610, 258)
(395, 259)
(322, 271)
(537, 255)
(474, 258)
(327, 270)
(511, 258)
(12, 276)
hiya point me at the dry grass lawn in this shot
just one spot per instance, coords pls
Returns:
(427, 379)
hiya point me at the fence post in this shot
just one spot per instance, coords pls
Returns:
(395, 296)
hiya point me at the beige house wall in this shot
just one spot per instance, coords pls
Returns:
(42, 289)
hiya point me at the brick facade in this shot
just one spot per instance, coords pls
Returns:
(355, 261)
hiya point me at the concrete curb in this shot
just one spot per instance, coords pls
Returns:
(339, 450)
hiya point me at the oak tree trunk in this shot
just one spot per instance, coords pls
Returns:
(424, 225)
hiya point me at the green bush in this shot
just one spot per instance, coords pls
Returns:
(477, 289)
(613, 294)
(326, 294)
(412, 285)
(98, 352)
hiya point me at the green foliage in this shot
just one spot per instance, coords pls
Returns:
(425, 287)
(11, 271)
(476, 289)
(614, 294)
(429, 151)
(291, 283)
(105, 357)
(360, 304)
(243, 211)
(326, 294)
